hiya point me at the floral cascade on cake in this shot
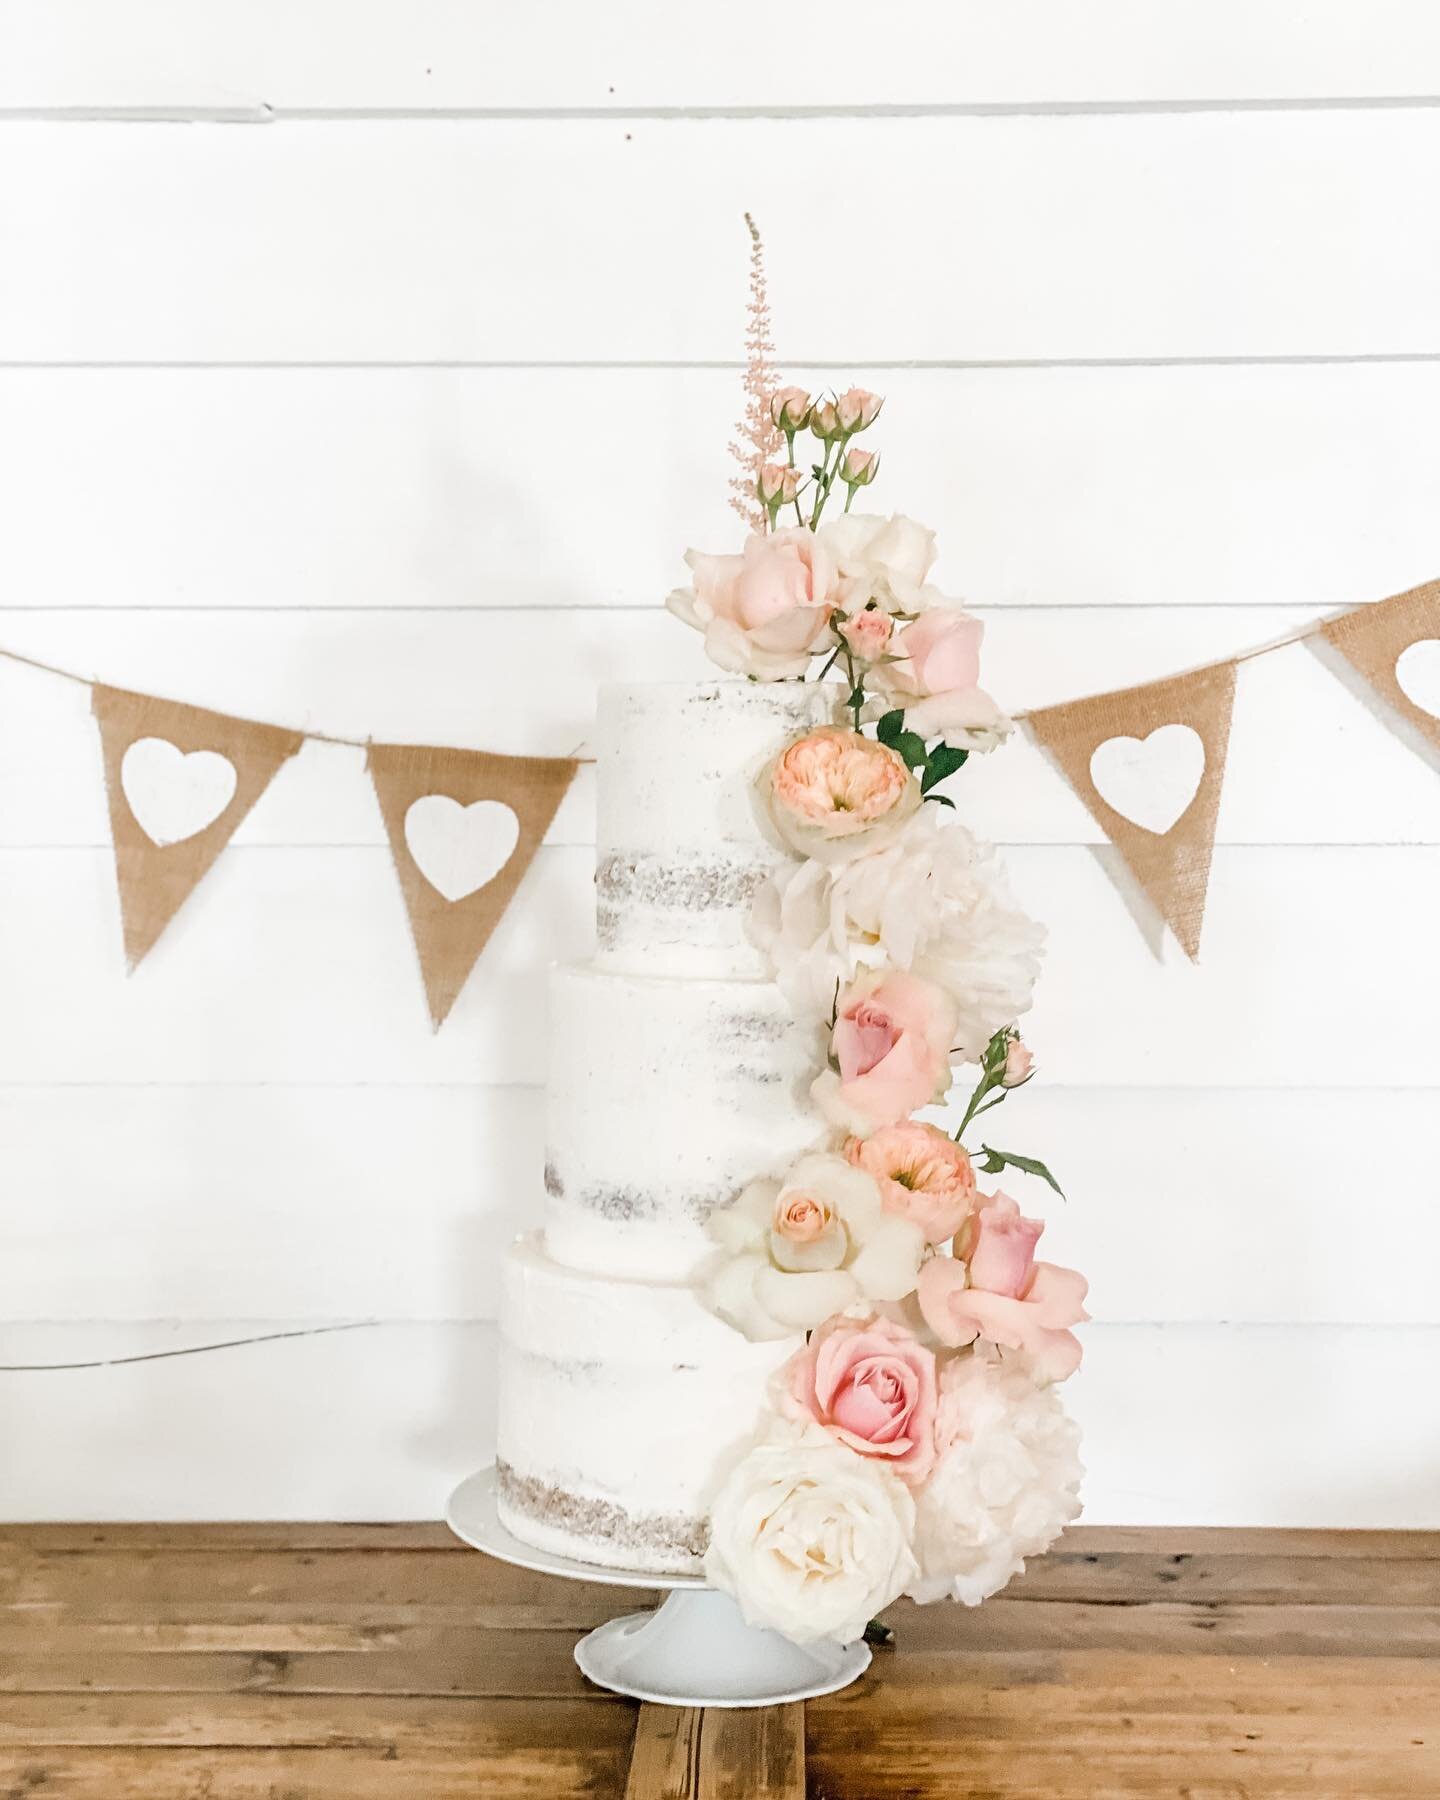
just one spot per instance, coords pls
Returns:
(915, 1443)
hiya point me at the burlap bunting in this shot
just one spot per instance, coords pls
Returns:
(1372, 640)
(157, 873)
(433, 800)
(1171, 865)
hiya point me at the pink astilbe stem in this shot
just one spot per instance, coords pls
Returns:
(757, 438)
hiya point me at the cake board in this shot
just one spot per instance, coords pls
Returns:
(694, 1649)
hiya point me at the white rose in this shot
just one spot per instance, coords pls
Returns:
(967, 720)
(809, 1246)
(884, 560)
(1006, 1485)
(811, 1539)
(935, 901)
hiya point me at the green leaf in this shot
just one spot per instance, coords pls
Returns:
(941, 800)
(890, 727)
(943, 761)
(912, 747)
(996, 1160)
(857, 697)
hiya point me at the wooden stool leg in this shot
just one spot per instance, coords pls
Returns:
(748, 1753)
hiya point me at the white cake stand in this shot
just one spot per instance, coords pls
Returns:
(694, 1649)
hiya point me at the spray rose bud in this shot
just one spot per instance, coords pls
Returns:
(860, 467)
(858, 407)
(790, 409)
(1019, 1064)
(771, 484)
(868, 633)
(825, 421)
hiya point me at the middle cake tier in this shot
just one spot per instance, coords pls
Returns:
(665, 1097)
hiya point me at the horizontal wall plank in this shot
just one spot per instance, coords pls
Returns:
(1257, 234)
(300, 488)
(432, 54)
(296, 965)
(522, 680)
(215, 1202)
(1235, 1425)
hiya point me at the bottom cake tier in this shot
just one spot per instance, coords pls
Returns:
(623, 1405)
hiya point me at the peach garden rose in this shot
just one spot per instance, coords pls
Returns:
(835, 794)
(923, 1175)
(890, 1051)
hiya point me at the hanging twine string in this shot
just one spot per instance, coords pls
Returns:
(352, 743)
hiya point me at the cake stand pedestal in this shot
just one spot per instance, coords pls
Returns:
(694, 1649)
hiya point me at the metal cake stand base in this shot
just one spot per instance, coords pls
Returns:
(694, 1649)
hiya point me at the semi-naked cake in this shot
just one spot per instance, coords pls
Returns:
(677, 1074)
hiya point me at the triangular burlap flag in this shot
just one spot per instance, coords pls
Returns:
(1167, 841)
(179, 780)
(1373, 640)
(464, 826)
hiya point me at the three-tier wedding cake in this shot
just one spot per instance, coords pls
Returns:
(770, 1326)
(677, 1074)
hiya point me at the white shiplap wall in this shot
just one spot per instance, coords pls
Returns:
(384, 395)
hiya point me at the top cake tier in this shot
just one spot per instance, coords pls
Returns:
(679, 847)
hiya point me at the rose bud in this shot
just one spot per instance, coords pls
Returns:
(868, 633)
(790, 409)
(860, 467)
(857, 408)
(1019, 1064)
(825, 421)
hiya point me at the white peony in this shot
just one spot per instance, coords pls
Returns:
(811, 1539)
(884, 560)
(808, 1246)
(935, 901)
(1006, 1486)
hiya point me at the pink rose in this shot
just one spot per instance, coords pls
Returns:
(923, 1175)
(858, 408)
(941, 651)
(763, 611)
(789, 409)
(801, 1217)
(871, 1384)
(1004, 1295)
(834, 793)
(778, 485)
(860, 467)
(1019, 1064)
(868, 633)
(890, 1048)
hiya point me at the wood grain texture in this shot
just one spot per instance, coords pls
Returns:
(265, 56)
(1100, 237)
(100, 1700)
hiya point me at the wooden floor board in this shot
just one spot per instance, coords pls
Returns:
(265, 1662)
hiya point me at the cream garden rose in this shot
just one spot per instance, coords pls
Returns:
(765, 611)
(884, 561)
(933, 901)
(835, 794)
(1006, 1482)
(805, 1247)
(811, 1539)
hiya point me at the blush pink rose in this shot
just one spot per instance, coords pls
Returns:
(1001, 1294)
(941, 652)
(835, 793)
(868, 633)
(857, 408)
(890, 1047)
(1019, 1064)
(923, 1175)
(872, 1384)
(763, 611)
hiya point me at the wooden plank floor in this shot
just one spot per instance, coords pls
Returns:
(373, 1662)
